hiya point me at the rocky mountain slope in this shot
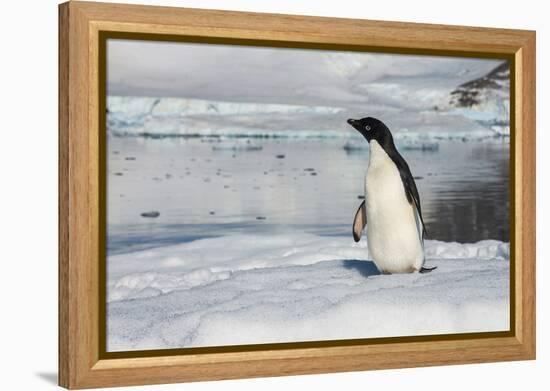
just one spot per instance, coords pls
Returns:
(486, 99)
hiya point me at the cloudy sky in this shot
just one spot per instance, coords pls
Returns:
(276, 75)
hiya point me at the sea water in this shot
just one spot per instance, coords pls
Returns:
(212, 187)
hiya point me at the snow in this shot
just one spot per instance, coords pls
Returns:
(247, 289)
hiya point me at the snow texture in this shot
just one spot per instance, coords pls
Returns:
(249, 289)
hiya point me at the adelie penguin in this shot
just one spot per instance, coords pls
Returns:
(391, 209)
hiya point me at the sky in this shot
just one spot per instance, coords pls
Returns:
(278, 75)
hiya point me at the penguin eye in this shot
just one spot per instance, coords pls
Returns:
(367, 127)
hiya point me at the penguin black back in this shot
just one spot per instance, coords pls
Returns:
(374, 129)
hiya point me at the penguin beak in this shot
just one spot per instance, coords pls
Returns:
(355, 124)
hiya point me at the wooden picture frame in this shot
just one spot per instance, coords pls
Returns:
(83, 364)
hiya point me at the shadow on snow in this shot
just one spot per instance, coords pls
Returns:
(365, 268)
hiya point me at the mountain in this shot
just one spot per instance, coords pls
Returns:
(477, 91)
(486, 99)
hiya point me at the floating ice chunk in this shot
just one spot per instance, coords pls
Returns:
(501, 130)
(406, 145)
(419, 146)
(237, 146)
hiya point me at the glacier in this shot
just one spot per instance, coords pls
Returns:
(171, 106)
(184, 117)
(153, 116)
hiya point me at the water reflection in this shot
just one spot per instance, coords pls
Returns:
(470, 200)
(282, 185)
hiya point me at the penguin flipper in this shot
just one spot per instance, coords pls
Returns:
(359, 221)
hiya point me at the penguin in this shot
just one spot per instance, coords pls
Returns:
(391, 209)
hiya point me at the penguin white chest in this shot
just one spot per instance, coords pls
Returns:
(393, 236)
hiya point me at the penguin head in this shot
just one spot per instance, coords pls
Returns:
(372, 129)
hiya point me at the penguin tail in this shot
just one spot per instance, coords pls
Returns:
(424, 270)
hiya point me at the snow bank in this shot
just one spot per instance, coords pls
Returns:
(245, 289)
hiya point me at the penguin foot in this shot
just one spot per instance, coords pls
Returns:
(426, 269)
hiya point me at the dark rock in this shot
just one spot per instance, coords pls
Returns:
(130, 158)
(469, 94)
(280, 156)
(152, 214)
